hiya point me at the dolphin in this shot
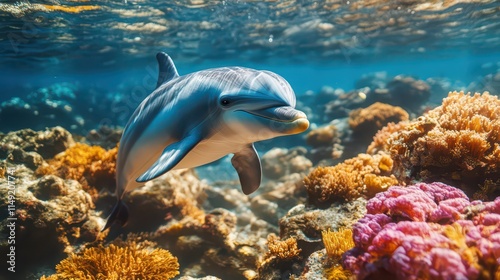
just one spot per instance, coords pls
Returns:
(195, 119)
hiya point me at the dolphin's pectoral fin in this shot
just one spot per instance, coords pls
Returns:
(170, 157)
(118, 214)
(167, 70)
(247, 164)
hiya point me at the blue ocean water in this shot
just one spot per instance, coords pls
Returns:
(85, 64)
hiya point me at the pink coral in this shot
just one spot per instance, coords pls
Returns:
(426, 231)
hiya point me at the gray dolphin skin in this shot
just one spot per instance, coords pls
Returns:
(191, 120)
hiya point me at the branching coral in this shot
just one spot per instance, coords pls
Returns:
(427, 231)
(459, 140)
(362, 175)
(130, 261)
(86, 164)
(369, 120)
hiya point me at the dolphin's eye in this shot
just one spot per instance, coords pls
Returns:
(225, 102)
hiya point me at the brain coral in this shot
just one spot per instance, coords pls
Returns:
(457, 141)
(362, 175)
(426, 231)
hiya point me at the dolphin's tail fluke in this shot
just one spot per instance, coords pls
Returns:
(118, 215)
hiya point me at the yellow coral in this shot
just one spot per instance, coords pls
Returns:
(362, 175)
(337, 272)
(131, 261)
(337, 242)
(84, 163)
(283, 250)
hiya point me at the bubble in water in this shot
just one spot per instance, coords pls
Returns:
(271, 37)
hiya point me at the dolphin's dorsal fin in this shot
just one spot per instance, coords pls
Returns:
(247, 164)
(167, 69)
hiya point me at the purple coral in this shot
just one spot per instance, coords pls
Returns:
(426, 231)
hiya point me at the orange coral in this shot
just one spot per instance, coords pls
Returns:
(281, 249)
(362, 175)
(90, 165)
(459, 140)
(380, 140)
(129, 261)
(369, 120)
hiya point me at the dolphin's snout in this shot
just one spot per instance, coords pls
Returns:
(280, 113)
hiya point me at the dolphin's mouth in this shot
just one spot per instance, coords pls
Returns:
(287, 119)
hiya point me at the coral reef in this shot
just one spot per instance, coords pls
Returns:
(127, 261)
(426, 231)
(456, 142)
(92, 166)
(366, 122)
(362, 175)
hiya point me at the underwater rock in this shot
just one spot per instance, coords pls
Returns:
(277, 198)
(279, 162)
(51, 209)
(408, 92)
(428, 230)
(46, 143)
(341, 107)
(303, 226)
(456, 142)
(306, 224)
(372, 80)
